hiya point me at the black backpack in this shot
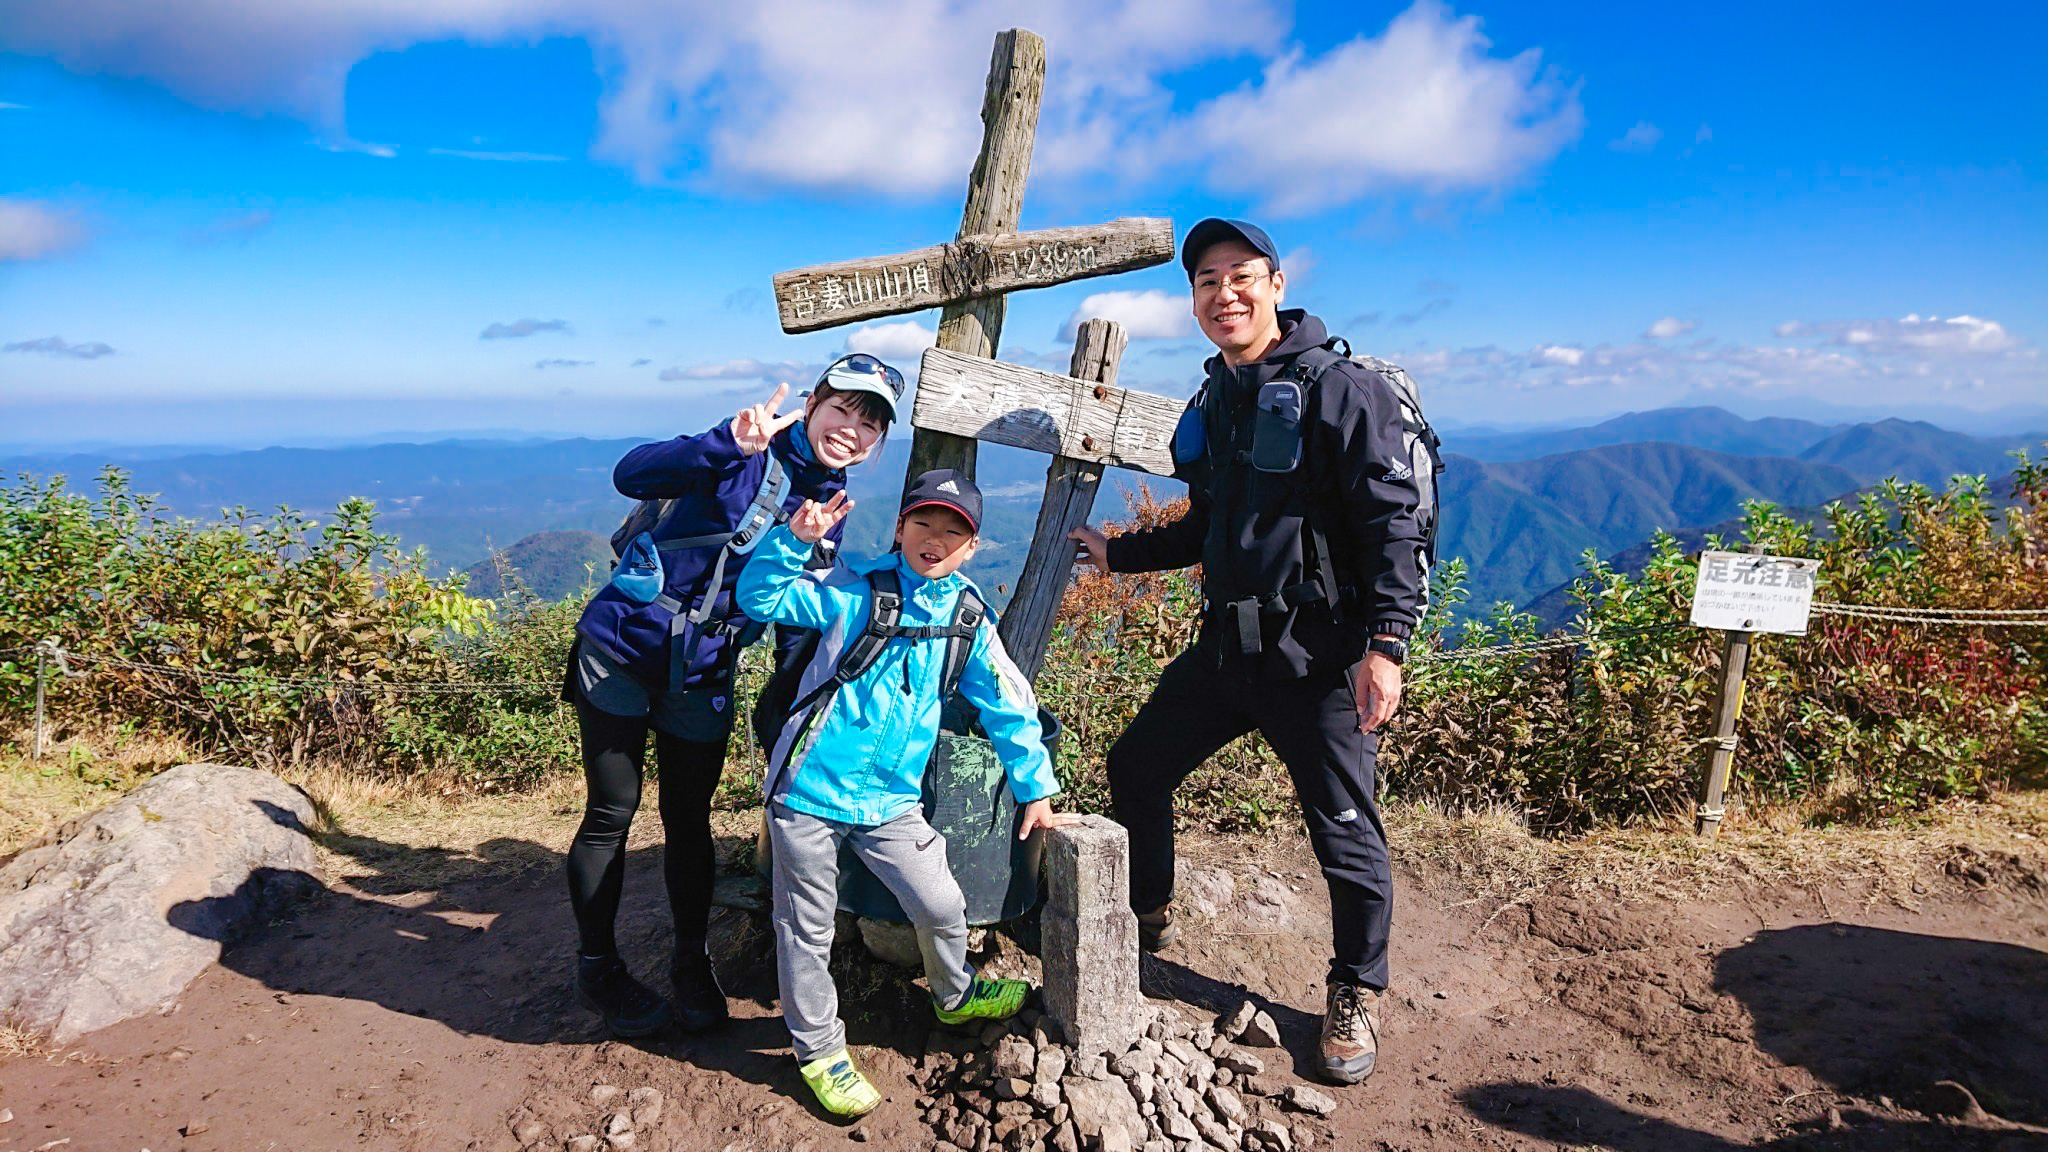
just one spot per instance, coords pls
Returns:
(1419, 441)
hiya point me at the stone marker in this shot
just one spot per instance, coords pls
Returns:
(114, 913)
(1090, 937)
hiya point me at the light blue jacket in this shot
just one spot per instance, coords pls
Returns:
(864, 761)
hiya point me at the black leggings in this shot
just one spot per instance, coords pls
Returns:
(614, 749)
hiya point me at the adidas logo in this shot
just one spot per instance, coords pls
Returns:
(949, 488)
(1399, 471)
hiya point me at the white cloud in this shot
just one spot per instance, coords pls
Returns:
(58, 346)
(521, 328)
(767, 94)
(1668, 327)
(899, 343)
(1704, 136)
(1151, 315)
(1423, 105)
(1641, 138)
(1959, 333)
(1870, 363)
(560, 363)
(779, 371)
(31, 230)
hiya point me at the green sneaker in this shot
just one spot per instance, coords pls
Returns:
(840, 1086)
(986, 1000)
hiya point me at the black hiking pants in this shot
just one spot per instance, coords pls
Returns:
(614, 751)
(1312, 724)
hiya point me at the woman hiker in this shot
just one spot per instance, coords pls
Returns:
(655, 650)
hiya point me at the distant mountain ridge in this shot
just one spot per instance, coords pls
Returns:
(1520, 507)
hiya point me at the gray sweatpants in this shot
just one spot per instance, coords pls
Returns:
(908, 856)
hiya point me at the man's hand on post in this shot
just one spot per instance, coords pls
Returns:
(1377, 683)
(1090, 548)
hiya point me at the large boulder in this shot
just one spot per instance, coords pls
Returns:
(112, 915)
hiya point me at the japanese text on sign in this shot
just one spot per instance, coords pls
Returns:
(1741, 592)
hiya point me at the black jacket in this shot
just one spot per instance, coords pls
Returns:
(1247, 528)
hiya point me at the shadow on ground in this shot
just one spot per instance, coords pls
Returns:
(1873, 1014)
(483, 943)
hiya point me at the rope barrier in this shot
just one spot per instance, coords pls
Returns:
(1958, 617)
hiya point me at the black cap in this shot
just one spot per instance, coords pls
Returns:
(945, 487)
(1214, 230)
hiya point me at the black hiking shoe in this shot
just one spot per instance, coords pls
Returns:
(630, 1009)
(1156, 930)
(699, 1001)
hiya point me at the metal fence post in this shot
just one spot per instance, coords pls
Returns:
(42, 663)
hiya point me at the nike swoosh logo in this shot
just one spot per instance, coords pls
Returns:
(928, 843)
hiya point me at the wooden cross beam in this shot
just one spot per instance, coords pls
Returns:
(1084, 420)
(988, 256)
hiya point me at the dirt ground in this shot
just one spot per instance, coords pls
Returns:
(422, 1002)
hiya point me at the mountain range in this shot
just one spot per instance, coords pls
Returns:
(1520, 507)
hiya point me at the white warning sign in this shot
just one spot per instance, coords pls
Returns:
(1741, 592)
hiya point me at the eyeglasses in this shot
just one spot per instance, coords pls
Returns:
(865, 365)
(1239, 282)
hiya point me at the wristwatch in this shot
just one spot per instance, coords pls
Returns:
(1391, 648)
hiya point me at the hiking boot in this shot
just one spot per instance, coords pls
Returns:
(986, 1000)
(1156, 929)
(840, 1087)
(630, 1008)
(699, 1001)
(1351, 1033)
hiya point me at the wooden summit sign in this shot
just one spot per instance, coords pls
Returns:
(828, 295)
(964, 394)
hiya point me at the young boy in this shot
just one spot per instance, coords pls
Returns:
(849, 766)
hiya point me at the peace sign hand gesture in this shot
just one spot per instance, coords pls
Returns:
(755, 425)
(813, 520)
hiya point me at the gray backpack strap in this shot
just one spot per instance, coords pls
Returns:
(885, 611)
(968, 613)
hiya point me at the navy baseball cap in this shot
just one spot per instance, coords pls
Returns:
(1214, 230)
(948, 488)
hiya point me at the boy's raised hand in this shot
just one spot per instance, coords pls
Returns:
(1039, 814)
(813, 520)
(756, 424)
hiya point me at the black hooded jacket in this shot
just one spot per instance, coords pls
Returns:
(1248, 528)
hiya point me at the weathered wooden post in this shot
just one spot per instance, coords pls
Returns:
(1070, 488)
(1090, 937)
(995, 203)
(1722, 744)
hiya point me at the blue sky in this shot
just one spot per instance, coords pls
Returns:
(246, 221)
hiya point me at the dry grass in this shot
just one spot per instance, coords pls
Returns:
(1490, 854)
(75, 775)
(410, 835)
(17, 1044)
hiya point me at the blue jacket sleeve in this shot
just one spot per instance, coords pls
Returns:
(1009, 714)
(775, 589)
(668, 468)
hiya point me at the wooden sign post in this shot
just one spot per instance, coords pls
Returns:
(1083, 420)
(988, 257)
(964, 394)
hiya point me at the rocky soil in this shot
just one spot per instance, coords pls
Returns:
(381, 1015)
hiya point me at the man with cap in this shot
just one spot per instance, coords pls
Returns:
(1304, 515)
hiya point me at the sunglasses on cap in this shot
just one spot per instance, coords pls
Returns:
(862, 364)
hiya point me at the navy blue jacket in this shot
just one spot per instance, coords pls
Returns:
(712, 485)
